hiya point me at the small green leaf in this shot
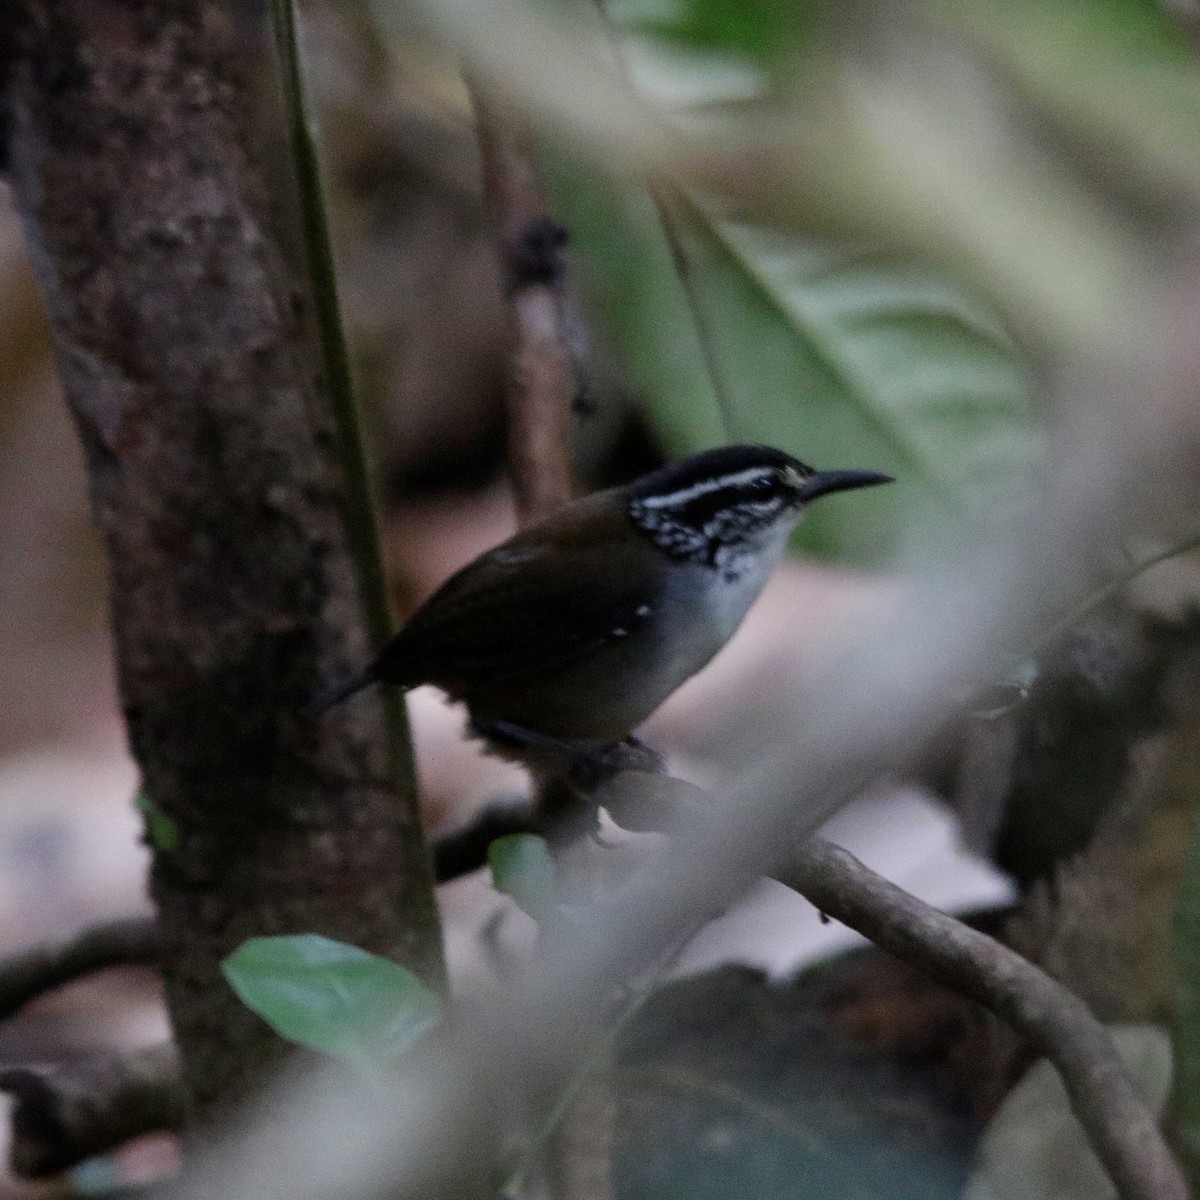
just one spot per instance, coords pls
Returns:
(161, 829)
(523, 869)
(332, 997)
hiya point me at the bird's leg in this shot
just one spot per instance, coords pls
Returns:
(568, 800)
(637, 756)
(588, 765)
(510, 734)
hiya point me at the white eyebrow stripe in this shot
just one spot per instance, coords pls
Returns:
(704, 486)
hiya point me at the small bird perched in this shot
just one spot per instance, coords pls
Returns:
(569, 635)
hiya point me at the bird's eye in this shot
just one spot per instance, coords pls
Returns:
(761, 484)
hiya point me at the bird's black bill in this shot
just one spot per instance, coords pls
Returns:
(343, 689)
(824, 482)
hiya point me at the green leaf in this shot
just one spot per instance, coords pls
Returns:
(846, 359)
(839, 356)
(161, 829)
(332, 997)
(523, 869)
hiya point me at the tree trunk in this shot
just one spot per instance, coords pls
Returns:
(146, 142)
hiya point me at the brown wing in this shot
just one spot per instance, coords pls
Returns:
(546, 598)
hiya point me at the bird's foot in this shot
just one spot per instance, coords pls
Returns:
(586, 766)
(607, 761)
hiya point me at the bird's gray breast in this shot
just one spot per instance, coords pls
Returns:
(702, 609)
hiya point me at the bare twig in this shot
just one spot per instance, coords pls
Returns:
(1093, 600)
(63, 1115)
(1121, 1129)
(541, 383)
(135, 941)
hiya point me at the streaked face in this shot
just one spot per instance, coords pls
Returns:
(725, 504)
(744, 500)
(696, 513)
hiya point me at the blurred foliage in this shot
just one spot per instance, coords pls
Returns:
(758, 29)
(1119, 73)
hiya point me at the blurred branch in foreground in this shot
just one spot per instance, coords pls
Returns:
(891, 691)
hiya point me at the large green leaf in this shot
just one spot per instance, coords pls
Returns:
(847, 359)
(332, 997)
(843, 358)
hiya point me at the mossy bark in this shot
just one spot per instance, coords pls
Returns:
(148, 158)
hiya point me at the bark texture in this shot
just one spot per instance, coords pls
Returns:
(140, 130)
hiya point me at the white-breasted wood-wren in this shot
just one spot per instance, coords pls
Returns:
(575, 630)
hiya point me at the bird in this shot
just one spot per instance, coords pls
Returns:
(567, 636)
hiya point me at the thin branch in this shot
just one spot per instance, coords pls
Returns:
(362, 534)
(135, 941)
(701, 320)
(1122, 1130)
(542, 378)
(465, 849)
(1095, 598)
(339, 378)
(65, 1114)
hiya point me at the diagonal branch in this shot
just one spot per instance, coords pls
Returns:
(1121, 1129)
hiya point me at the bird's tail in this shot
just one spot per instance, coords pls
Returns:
(340, 690)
